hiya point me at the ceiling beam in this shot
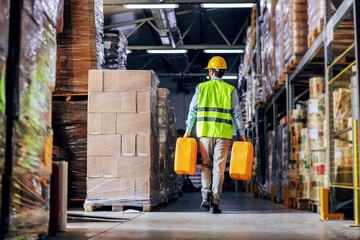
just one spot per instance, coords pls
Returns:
(189, 47)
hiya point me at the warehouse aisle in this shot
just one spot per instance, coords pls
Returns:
(243, 217)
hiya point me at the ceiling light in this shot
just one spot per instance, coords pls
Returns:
(166, 51)
(227, 77)
(227, 5)
(128, 51)
(150, 6)
(223, 51)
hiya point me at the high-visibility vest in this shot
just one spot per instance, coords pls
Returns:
(214, 110)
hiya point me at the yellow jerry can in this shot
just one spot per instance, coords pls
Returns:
(185, 156)
(241, 160)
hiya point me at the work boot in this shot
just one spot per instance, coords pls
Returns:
(205, 204)
(214, 208)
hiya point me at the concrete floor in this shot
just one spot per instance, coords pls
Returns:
(243, 217)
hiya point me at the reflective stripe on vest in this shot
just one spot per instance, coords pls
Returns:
(214, 110)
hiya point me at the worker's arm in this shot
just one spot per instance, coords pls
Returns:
(192, 112)
(236, 114)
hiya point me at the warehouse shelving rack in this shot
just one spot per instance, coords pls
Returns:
(293, 79)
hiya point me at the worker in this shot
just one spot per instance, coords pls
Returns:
(214, 105)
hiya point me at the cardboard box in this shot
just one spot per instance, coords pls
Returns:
(143, 145)
(127, 81)
(99, 145)
(95, 81)
(105, 102)
(134, 123)
(127, 166)
(109, 166)
(94, 166)
(129, 102)
(143, 101)
(108, 123)
(94, 123)
(128, 145)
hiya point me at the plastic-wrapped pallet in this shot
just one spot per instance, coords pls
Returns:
(70, 132)
(80, 45)
(123, 168)
(285, 153)
(30, 182)
(163, 121)
(260, 144)
(268, 35)
(115, 47)
(295, 31)
(316, 17)
(4, 29)
(279, 48)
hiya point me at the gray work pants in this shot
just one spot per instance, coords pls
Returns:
(214, 152)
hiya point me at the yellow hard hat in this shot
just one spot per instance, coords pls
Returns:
(217, 63)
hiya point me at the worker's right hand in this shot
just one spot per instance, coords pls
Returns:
(243, 139)
(187, 135)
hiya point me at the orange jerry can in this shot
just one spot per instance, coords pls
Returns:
(185, 156)
(241, 160)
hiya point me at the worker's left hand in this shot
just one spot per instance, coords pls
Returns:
(187, 135)
(243, 139)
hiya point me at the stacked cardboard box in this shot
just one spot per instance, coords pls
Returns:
(164, 163)
(250, 41)
(297, 122)
(316, 135)
(77, 45)
(304, 166)
(123, 166)
(279, 47)
(268, 36)
(70, 132)
(295, 31)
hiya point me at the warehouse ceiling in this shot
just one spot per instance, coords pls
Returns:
(187, 27)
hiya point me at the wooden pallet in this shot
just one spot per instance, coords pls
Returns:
(260, 104)
(314, 206)
(300, 204)
(144, 206)
(315, 34)
(70, 96)
(292, 64)
(269, 97)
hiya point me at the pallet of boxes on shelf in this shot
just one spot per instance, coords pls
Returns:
(297, 123)
(163, 141)
(342, 168)
(295, 33)
(268, 35)
(279, 46)
(316, 10)
(123, 168)
(316, 136)
(250, 42)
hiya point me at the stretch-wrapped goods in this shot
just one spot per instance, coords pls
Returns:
(318, 171)
(70, 132)
(80, 45)
(316, 109)
(279, 48)
(317, 134)
(317, 86)
(32, 166)
(115, 47)
(295, 29)
(163, 121)
(123, 155)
